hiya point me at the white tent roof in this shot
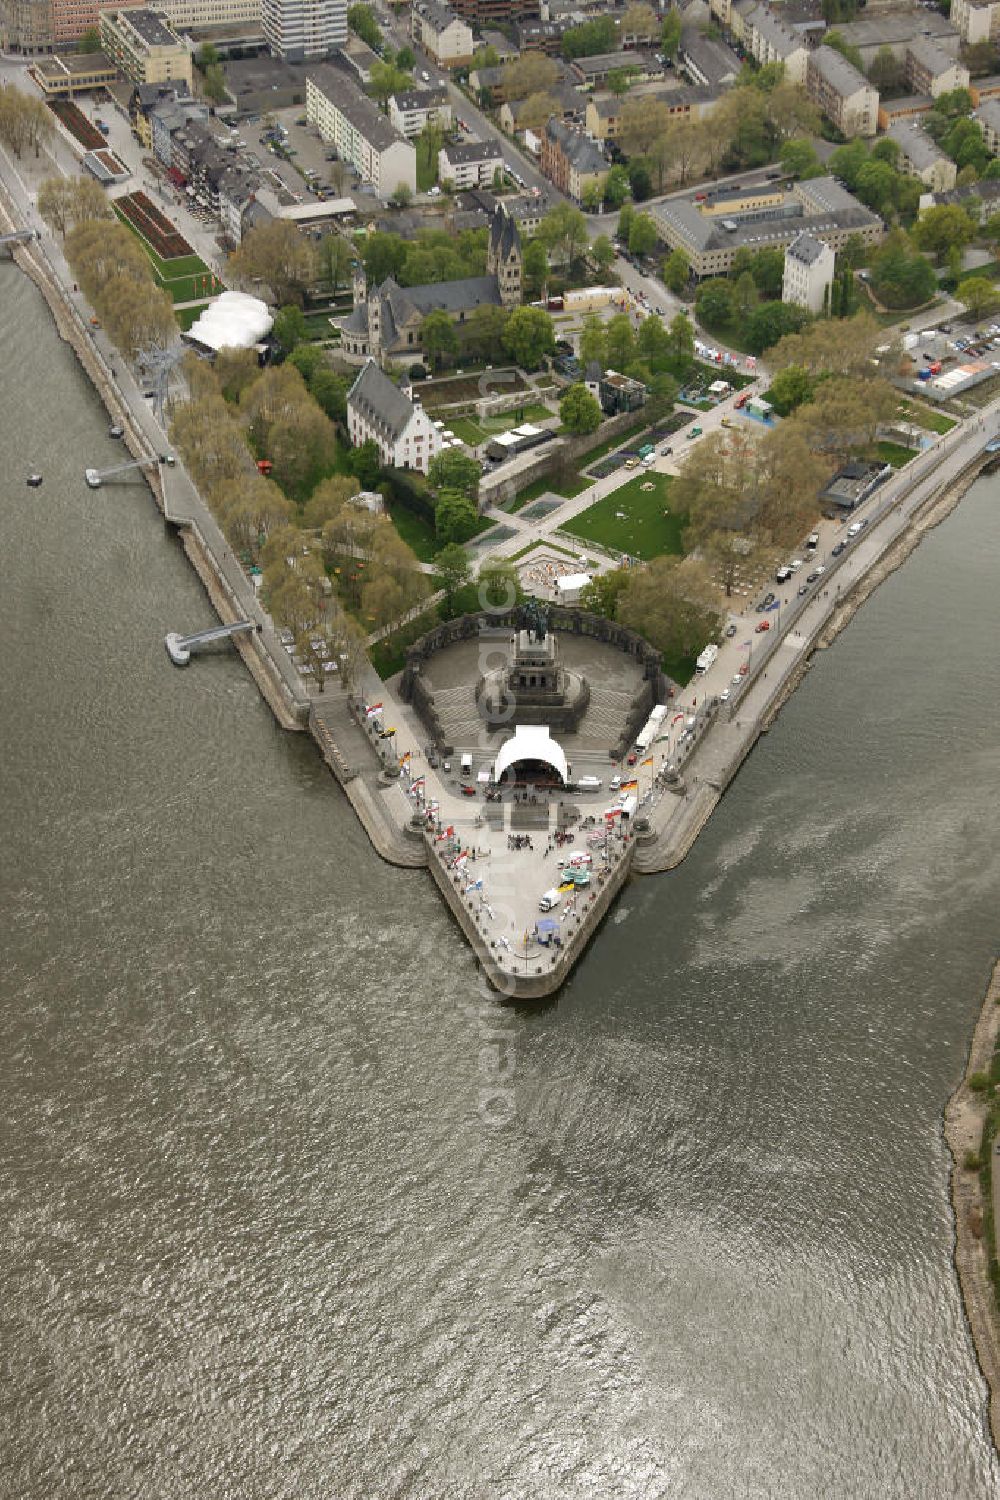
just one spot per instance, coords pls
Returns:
(234, 320)
(531, 742)
(573, 581)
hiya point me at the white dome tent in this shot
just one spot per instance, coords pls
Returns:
(233, 320)
(531, 742)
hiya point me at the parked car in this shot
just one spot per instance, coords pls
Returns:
(694, 433)
(665, 452)
(761, 626)
(838, 549)
(767, 599)
(816, 573)
(730, 632)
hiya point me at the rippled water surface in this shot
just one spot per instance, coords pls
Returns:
(256, 1239)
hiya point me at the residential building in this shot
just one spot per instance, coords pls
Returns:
(187, 15)
(469, 164)
(144, 47)
(987, 117)
(526, 210)
(236, 190)
(711, 228)
(60, 77)
(144, 98)
(26, 27)
(166, 120)
(487, 13)
(896, 29)
(932, 70)
(387, 321)
(443, 35)
(984, 88)
(379, 412)
(808, 274)
(921, 157)
(592, 72)
(300, 30)
(359, 58)
(976, 20)
(570, 104)
(540, 36)
(841, 93)
(769, 40)
(707, 62)
(571, 160)
(981, 200)
(619, 393)
(412, 112)
(604, 111)
(360, 131)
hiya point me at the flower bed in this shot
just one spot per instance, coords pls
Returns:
(155, 228)
(76, 123)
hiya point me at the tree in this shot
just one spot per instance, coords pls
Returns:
(602, 253)
(529, 336)
(455, 517)
(276, 254)
(616, 187)
(384, 80)
(365, 463)
(799, 159)
(328, 500)
(453, 569)
(564, 229)
(639, 21)
(592, 197)
(876, 186)
(335, 258)
(790, 388)
(401, 194)
(601, 595)
(714, 303)
(767, 268)
(676, 270)
(213, 84)
(670, 33)
(886, 71)
(206, 57)
(536, 266)
(56, 201)
(642, 120)
(361, 20)
(619, 341)
(454, 470)
(532, 73)
(593, 343)
(289, 328)
(406, 59)
(942, 226)
(579, 411)
(619, 81)
(590, 39)
(438, 337)
(681, 337)
(536, 111)
(329, 391)
(900, 276)
(499, 584)
(642, 235)
(979, 295)
(771, 321)
(24, 120)
(639, 181)
(484, 329)
(90, 41)
(745, 296)
(670, 603)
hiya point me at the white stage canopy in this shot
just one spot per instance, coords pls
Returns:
(531, 742)
(234, 320)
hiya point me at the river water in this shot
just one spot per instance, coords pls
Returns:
(258, 1235)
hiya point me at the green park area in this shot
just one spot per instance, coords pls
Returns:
(923, 416)
(185, 278)
(418, 532)
(427, 160)
(550, 484)
(473, 430)
(894, 453)
(636, 519)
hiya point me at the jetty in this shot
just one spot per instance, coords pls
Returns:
(180, 648)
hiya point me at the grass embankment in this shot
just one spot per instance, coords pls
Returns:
(894, 453)
(985, 1085)
(184, 279)
(550, 484)
(419, 534)
(636, 519)
(923, 416)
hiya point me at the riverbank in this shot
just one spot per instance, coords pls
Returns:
(965, 1121)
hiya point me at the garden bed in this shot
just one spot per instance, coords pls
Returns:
(155, 228)
(77, 124)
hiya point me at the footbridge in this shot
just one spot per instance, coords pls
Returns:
(181, 647)
(96, 477)
(18, 237)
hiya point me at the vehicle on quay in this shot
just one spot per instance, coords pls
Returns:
(761, 626)
(589, 784)
(646, 451)
(706, 659)
(816, 573)
(466, 764)
(730, 631)
(783, 574)
(767, 599)
(836, 550)
(694, 433)
(812, 541)
(550, 899)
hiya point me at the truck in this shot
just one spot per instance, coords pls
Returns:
(466, 765)
(550, 900)
(706, 659)
(645, 451)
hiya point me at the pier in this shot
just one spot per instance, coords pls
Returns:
(180, 648)
(96, 477)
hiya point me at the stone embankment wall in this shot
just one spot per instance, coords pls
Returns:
(555, 965)
(563, 452)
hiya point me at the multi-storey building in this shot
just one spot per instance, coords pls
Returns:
(895, 30)
(144, 47)
(469, 164)
(769, 40)
(361, 133)
(379, 412)
(299, 30)
(976, 20)
(571, 160)
(484, 13)
(412, 112)
(921, 157)
(841, 93)
(808, 273)
(26, 27)
(711, 229)
(932, 70)
(604, 111)
(61, 77)
(442, 34)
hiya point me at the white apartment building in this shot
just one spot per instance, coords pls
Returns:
(378, 411)
(809, 265)
(297, 30)
(469, 164)
(410, 113)
(841, 93)
(361, 133)
(443, 35)
(977, 20)
(768, 40)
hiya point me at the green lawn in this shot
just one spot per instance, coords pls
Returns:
(419, 534)
(181, 277)
(895, 454)
(551, 484)
(646, 528)
(922, 416)
(188, 315)
(473, 431)
(427, 166)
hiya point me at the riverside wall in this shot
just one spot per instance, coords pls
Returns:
(537, 982)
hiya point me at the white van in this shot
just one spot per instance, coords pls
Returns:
(854, 528)
(589, 783)
(466, 765)
(549, 900)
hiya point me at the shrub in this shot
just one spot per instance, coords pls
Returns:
(979, 1082)
(971, 1161)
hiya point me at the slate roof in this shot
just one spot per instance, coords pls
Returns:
(381, 403)
(504, 235)
(806, 249)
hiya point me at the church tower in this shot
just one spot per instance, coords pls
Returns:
(503, 257)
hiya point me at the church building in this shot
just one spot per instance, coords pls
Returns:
(387, 320)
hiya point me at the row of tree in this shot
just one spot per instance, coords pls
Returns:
(114, 272)
(526, 335)
(25, 122)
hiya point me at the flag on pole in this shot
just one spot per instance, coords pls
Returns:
(404, 759)
(648, 762)
(373, 709)
(629, 786)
